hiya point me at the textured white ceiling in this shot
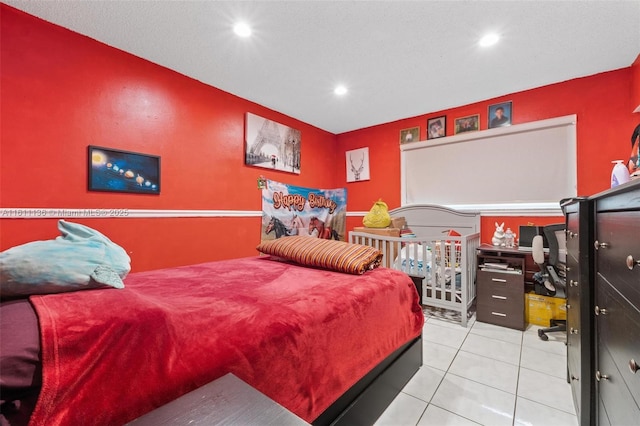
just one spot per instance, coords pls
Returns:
(398, 58)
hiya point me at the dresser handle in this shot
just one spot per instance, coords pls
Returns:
(573, 330)
(633, 366)
(499, 297)
(600, 376)
(498, 314)
(599, 311)
(567, 268)
(574, 377)
(573, 283)
(498, 280)
(599, 245)
(572, 234)
(631, 262)
(568, 306)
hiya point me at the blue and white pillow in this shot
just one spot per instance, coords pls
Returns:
(81, 258)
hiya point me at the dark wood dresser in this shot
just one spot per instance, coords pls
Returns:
(500, 286)
(616, 251)
(580, 314)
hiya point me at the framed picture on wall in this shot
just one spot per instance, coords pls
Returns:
(500, 115)
(358, 165)
(410, 135)
(271, 145)
(470, 123)
(123, 171)
(437, 127)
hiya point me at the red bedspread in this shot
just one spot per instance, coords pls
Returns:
(301, 336)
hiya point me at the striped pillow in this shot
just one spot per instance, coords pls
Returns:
(334, 255)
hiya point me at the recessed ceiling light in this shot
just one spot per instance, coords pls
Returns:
(489, 40)
(340, 90)
(242, 29)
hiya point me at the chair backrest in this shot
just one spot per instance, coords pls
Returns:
(557, 240)
(537, 250)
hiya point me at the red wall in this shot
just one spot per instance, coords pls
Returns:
(635, 69)
(62, 91)
(603, 105)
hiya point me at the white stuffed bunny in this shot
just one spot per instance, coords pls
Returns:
(498, 236)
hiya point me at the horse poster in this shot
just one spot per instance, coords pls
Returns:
(289, 210)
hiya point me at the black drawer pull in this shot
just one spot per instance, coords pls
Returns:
(631, 262)
(633, 366)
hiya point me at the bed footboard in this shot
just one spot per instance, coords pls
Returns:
(447, 266)
(364, 402)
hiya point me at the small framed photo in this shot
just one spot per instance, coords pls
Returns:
(410, 135)
(437, 127)
(500, 115)
(123, 171)
(470, 123)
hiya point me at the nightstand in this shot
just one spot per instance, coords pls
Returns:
(500, 286)
(227, 400)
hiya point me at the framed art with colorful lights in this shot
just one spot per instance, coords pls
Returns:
(123, 171)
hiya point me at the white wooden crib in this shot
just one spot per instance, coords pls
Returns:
(446, 264)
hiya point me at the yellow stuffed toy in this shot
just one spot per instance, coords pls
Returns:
(378, 216)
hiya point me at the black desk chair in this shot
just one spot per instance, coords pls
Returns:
(548, 277)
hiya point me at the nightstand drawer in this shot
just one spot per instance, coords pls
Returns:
(511, 316)
(501, 285)
(498, 278)
(506, 303)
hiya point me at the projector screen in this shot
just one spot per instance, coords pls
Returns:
(529, 166)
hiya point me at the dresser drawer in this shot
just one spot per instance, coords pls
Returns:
(575, 379)
(573, 235)
(574, 286)
(603, 419)
(618, 237)
(618, 404)
(618, 328)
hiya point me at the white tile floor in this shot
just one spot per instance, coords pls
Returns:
(487, 375)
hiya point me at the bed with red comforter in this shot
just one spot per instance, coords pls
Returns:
(302, 336)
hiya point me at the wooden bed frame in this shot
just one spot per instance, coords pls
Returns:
(365, 401)
(362, 404)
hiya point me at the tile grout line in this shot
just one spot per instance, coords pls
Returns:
(445, 371)
(458, 349)
(468, 331)
(515, 401)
